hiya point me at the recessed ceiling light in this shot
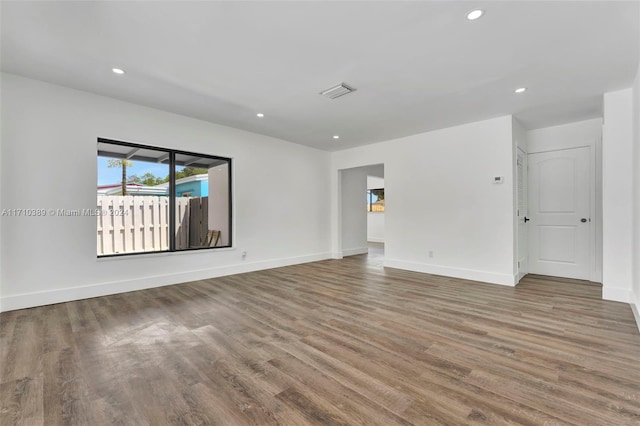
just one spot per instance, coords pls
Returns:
(117, 70)
(475, 14)
(520, 90)
(260, 115)
(336, 137)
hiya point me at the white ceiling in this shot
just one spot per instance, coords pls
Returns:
(418, 66)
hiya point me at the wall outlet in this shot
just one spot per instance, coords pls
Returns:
(244, 254)
(430, 253)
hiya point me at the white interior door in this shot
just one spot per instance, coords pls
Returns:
(522, 210)
(559, 206)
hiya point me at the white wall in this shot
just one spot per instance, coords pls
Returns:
(354, 211)
(519, 135)
(617, 196)
(218, 209)
(2, 137)
(374, 182)
(636, 188)
(49, 161)
(374, 172)
(573, 135)
(375, 220)
(375, 227)
(440, 197)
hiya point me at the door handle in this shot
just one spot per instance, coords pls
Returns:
(583, 220)
(526, 219)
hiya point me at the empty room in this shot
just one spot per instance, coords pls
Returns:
(320, 212)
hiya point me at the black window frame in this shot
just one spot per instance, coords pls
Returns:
(172, 195)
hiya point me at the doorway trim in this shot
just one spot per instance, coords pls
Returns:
(595, 201)
(565, 223)
(522, 270)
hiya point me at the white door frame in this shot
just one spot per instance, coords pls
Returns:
(522, 248)
(595, 238)
(595, 204)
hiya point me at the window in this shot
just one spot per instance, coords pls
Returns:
(157, 200)
(375, 200)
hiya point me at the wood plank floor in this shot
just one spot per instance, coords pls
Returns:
(335, 342)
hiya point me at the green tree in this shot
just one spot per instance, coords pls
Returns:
(148, 179)
(186, 172)
(134, 178)
(122, 163)
(190, 171)
(378, 193)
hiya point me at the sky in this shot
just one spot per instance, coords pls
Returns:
(108, 176)
(374, 197)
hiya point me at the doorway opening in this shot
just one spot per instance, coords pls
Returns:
(375, 218)
(362, 224)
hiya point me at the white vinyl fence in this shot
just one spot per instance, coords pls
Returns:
(133, 224)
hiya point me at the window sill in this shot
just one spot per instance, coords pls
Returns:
(130, 256)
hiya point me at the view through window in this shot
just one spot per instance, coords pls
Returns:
(157, 200)
(375, 200)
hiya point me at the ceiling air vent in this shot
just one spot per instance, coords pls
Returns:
(337, 91)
